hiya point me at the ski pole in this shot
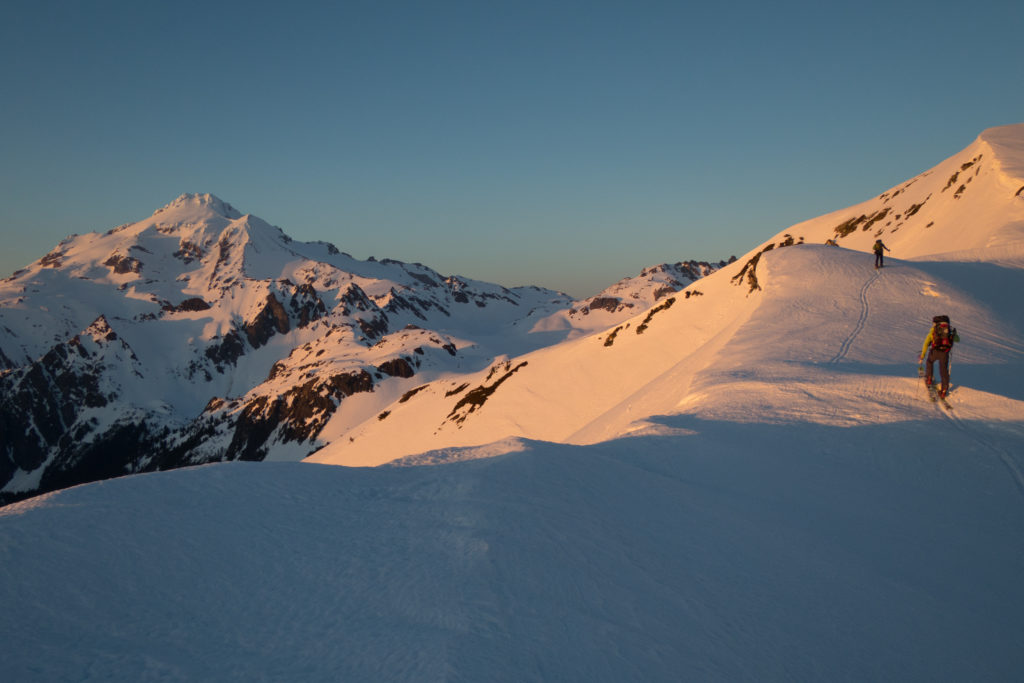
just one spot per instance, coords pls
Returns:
(949, 368)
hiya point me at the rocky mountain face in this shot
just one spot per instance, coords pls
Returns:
(201, 334)
(629, 297)
(636, 294)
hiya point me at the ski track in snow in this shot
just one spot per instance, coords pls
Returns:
(861, 321)
(1004, 456)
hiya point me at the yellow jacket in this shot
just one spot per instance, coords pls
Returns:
(928, 340)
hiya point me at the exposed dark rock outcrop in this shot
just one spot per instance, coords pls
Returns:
(270, 319)
(226, 351)
(298, 415)
(121, 264)
(53, 259)
(397, 367)
(355, 299)
(654, 311)
(40, 404)
(189, 252)
(610, 339)
(5, 362)
(306, 306)
(750, 267)
(606, 303)
(374, 328)
(188, 305)
(476, 397)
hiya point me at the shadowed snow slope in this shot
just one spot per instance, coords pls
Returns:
(786, 506)
(737, 552)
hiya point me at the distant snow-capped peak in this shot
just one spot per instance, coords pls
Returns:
(205, 202)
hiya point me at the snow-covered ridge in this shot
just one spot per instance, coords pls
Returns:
(629, 297)
(243, 341)
(1007, 146)
(969, 203)
(760, 489)
(702, 350)
(198, 204)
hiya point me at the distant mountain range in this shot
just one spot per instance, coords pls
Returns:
(201, 334)
(740, 477)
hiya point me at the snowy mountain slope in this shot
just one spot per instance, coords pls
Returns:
(828, 339)
(200, 248)
(972, 202)
(768, 337)
(243, 342)
(628, 297)
(886, 552)
(549, 394)
(852, 363)
(210, 303)
(752, 486)
(801, 516)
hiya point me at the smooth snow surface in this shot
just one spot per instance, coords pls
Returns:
(741, 552)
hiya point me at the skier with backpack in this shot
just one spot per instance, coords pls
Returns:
(877, 248)
(937, 345)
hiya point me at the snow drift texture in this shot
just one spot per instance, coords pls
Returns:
(744, 481)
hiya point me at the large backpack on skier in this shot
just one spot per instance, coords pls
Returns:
(942, 333)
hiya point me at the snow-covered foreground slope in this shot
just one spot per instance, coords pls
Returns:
(728, 551)
(775, 501)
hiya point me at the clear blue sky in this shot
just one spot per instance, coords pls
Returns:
(562, 144)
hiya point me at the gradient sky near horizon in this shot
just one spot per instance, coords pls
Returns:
(559, 144)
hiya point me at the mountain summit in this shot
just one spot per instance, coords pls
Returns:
(228, 339)
(197, 206)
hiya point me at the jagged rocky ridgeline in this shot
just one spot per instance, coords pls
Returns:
(202, 334)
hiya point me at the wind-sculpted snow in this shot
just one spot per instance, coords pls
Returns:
(737, 552)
